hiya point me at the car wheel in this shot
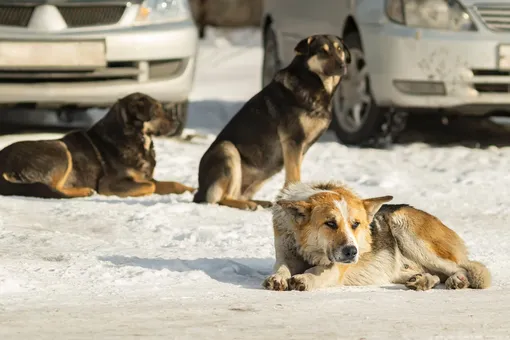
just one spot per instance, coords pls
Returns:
(180, 110)
(271, 61)
(357, 120)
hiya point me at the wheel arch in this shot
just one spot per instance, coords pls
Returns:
(267, 21)
(351, 26)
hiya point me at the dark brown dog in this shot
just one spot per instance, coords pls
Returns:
(275, 128)
(114, 157)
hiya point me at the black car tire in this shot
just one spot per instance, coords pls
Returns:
(375, 128)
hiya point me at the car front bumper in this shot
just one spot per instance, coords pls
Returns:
(158, 60)
(438, 70)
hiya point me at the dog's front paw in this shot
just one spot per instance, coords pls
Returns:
(91, 192)
(265, 204)
(424, 281)
(301, 282)
(275, 282)
(190, 189)
(248, 205)
(457, 281)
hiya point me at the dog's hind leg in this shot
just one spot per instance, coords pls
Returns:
(60, 180)
(133, 184)
(251, 190)
(222, 173)
(423, 281)
(426, 241)
(165, 188)
(46, 176)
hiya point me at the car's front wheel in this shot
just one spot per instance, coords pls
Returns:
(357, 120)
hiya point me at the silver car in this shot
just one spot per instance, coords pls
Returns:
(442, 57)
(68, 55)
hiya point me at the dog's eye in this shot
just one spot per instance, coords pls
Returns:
(332, 224)
(355, 224)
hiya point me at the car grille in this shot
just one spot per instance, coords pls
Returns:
(496, 17)
(114, 71)
(15, 15)
(491, 81)
(74, 16)
(82, 16)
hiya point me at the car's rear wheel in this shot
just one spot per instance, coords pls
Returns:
(271, 61)
(179, 110)
(357, 120)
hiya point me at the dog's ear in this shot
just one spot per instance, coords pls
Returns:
(346, 50)
(303, 47)
(144, 109)
(138, 108)
(372, 205)
(298, 210)
(122, 112)
(119, 111)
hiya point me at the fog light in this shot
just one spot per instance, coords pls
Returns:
(420, 87)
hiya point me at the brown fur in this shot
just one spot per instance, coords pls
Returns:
(275, 128)
(316, 227)
(114, 157)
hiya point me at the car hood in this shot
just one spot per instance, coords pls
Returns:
(469, 3)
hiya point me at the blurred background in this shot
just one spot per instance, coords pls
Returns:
(424, 70)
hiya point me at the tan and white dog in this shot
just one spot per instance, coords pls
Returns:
(326, 235)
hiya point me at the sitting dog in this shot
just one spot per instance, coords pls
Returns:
(275, 128)
(326, 235)
(114, 157)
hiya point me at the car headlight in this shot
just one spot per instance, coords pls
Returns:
(155, 11)
(435, 14)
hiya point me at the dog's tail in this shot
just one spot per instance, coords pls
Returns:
(12, 187)
(478, 275)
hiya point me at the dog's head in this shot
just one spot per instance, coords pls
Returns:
(140, 113)
(332, 226)
(325, 55)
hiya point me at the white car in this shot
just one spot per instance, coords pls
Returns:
(77, 54)
(440, 57)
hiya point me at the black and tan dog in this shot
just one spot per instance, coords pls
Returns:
(275, 128)
(114, 157)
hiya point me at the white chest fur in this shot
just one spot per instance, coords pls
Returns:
(330, 82)
(147, 142)
(312, 126)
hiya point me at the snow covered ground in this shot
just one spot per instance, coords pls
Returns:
(162, 267)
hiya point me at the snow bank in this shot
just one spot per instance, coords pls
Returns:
(162, 267)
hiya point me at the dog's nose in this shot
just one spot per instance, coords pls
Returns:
(349, 252)
(346, 254)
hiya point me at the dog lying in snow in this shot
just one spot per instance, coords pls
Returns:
(326, 235)
(114, 157)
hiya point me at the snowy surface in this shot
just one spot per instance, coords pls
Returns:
(162, 267)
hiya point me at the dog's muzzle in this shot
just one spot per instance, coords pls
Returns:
(345, 254)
